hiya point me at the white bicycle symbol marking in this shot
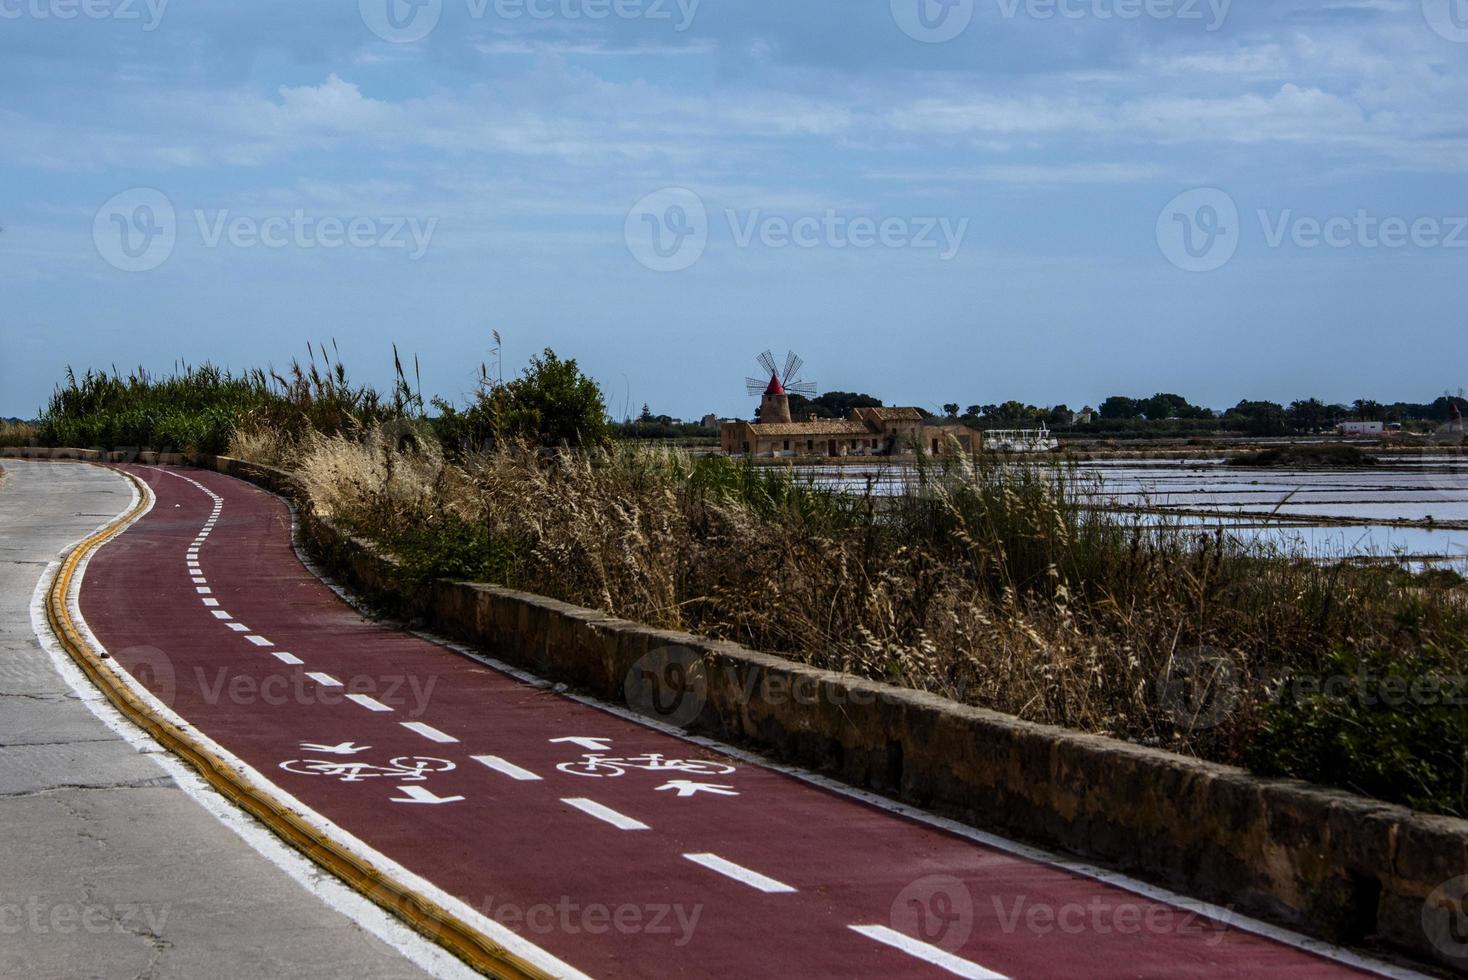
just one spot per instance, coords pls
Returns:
(592, 764)
(406, 768)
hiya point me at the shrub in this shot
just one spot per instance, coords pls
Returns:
(1389, 725)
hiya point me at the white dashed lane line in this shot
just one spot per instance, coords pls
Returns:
(286, 658)
(955, 965)
(371, 704)
(209, 602)
(259, 641)
(595, 809)
(740, 873)
(221, 614)
(428, 732)
(508, 768)
(325, 680)
(238, 627)
(203, 589)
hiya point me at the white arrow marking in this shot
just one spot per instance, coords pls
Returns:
(594, 744)
(417, 794)
(687, 787)
(344, 748)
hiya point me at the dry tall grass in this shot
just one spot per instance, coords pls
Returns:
(17, 434)
(988, 586)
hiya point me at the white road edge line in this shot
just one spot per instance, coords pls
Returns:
(428, 732)
(595, 809)
(371, 704)
(508, 768)
(740, 873)
(956, 965)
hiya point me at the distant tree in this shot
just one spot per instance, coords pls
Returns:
(838, 404)
(1013, 413)
(1058, 416)
(1169, 406)
(646, 415)
(1120, 407)
(1441, 410)
(1308, 415)
(973, 411)
(951, 410)
(1257, 418)
(1367, 410)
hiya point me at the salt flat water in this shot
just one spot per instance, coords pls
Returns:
(1411, 506)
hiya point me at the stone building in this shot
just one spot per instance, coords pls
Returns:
(866, 432)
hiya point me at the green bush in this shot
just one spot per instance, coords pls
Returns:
(198, 409)
(552, 403)
(1392, 726)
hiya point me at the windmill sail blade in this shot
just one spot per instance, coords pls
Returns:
(755, 386)
(767, 361)
(806, 388)
(792, 364)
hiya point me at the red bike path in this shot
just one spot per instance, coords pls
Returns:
(657, 871)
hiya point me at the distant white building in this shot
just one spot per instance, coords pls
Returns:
(1361, 428)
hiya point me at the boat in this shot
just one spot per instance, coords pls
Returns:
(1021, 440)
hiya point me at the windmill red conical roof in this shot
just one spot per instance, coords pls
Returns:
(775, 388)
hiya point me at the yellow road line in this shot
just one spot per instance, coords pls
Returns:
(425, 916)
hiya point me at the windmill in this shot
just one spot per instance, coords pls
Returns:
(775, 393)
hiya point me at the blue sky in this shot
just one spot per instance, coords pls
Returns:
(970, 202)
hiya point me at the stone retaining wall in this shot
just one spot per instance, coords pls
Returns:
(1323, 861)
